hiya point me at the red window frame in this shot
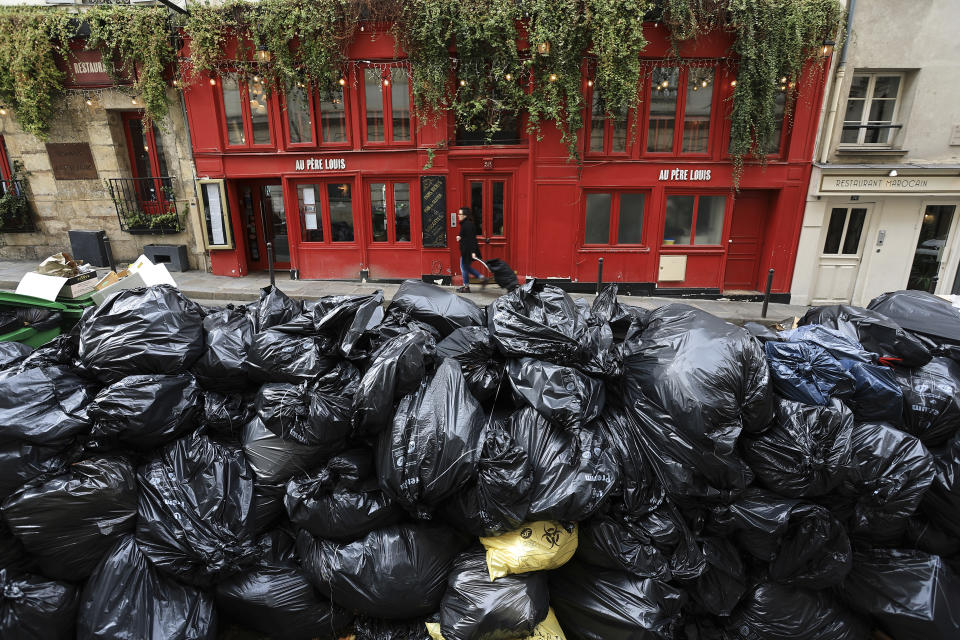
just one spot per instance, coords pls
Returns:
(607, 129)
(152, 195)
(243, 85)
(6, 173)
(386, 92)
(691, 246)
(679, 113)
(323, 211)
(316, 130)
(390, 205)
(614, 226)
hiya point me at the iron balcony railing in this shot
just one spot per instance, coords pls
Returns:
(147, 205)
(15, 213)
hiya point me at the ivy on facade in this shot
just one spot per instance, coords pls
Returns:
(485, 60)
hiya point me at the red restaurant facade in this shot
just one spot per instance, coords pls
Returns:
(356, 186)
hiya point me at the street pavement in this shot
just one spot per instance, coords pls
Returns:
(213, 290)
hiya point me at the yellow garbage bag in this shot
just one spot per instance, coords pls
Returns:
(549, 629)
(536, 546)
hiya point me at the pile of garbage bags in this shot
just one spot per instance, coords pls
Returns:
(541, 468)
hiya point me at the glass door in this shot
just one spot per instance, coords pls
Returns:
(264, 220)
(489, 201)
(931, 247)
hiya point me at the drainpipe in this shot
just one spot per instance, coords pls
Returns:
(831, 120)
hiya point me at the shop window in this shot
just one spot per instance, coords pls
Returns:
(871, 111)
(608, 131)
(300, 108)
(390, 211)
(326, 211)
(614, 218)
(387, 117)
(694, 220)
(844, 231)
(246, 111)
(931, 246)
(681, 105)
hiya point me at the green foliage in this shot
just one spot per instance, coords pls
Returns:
(14, 208)
(139, 41)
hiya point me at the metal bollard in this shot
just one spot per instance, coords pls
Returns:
(270, 261)
(599, 275)
(766, 295)
(109, 252)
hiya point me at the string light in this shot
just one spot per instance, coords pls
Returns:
(342, 81)
(89, 102)
(553, 77)
(704, 83)
(509, 77)
(386, 82)
(256, 78)
(733, 83)
(463, 83)
(589, 83)
(3, 111)
(133, 101)
(213, 81)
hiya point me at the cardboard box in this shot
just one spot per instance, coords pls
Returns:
(79, 285)
(132, 281)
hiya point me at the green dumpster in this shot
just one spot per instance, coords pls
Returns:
(69, 310)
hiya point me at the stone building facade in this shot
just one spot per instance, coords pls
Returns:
(59, 205)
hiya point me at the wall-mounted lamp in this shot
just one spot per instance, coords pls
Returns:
(543, 48)
(827, 49)
(262, 55)
(893, 173)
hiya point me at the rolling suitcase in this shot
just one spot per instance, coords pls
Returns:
(503, 275)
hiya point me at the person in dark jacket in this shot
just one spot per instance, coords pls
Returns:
(469, 249)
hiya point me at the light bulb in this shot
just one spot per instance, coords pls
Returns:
(386, 82)
(133, 101)
(553, 77)
(733, 83)
(176, 83)
(589, 83)
(89, 102)
(146, 148)
(256, 78)
(783, 80)
(342, 81)
(666, 84)
(704, 84)
(213, 81)
(463, 83)
(3, 111)
(509, 77)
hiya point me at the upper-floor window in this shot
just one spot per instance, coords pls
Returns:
(681, 105)
(608, 130)
(302, 105)
(386, 101)
(246, 110)
(872, 106)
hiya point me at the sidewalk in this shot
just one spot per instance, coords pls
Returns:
(210, 289)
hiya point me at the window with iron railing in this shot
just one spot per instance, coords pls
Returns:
(870, 117)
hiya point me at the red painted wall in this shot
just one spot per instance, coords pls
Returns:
(545, 193)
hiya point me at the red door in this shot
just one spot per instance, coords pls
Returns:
(746, 241)
(264, 220)
(152, 186)
(490, 199)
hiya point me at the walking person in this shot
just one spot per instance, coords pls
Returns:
(469, 249)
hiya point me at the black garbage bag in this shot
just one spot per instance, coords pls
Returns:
(772, 611)
(708, 374)
(432, 448)
(723, 582)
(761, 332)
(806, 372)
(267, 505)
(275, 458)
(890, 473)
(34, 608)
(438, 307)
(61, 351)
(923, 535)
(474, 607)
(657, 544)
(152, 330)
(341, 322)
(474, 349)
(44, 406)
(874, 331)
(560, 394)
(367, 628)
(573, 474)
(13, 557)
(691, 466)
(931, 400)
(803, 543)
(276, 595)
(126, 597)
(606, 309)
(21, 462)
(537, 320)
(195, 497)
(144, 412)
(228, 335)
(71, 520)
(499, 500)
(913, 595)
(226, 414)
(396, 369)
(273, 308)
(922, 313)
(12, 353)
(805, 452)
(601, 604)
(941, 504)
(282, 354)
(342, 501)
(396, 572)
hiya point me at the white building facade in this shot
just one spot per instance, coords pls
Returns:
(883, 208)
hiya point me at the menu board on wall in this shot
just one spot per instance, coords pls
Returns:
(214, 214)
(433, 214)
